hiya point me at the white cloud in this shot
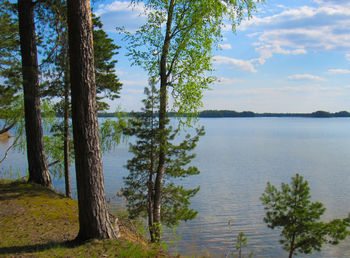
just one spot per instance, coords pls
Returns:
(299, 30)
(225, 46)
(120, 6)
(267, 51)
(121, 14)
(338, 71)
(347, 56)
(245, 65)
(305, 77)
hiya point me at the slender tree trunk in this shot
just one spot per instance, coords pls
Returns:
(291, 248)
(150, 179)
(162, 121)
(150, 199)
(66, 133)
(94, 220)
(38, 170)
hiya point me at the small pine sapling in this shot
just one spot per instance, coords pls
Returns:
(291, 210)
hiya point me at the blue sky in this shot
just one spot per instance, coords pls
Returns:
(292, 56)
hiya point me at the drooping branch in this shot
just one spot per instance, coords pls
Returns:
(53, 163)
(8, 128)
(9, 148)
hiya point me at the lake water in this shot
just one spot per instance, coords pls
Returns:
(237, 157)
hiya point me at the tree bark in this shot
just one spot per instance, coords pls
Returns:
(94, 220)
(291, 251)
(150, 199)
(66, 133)
(150, 179)
(38, 170)
(162, 122)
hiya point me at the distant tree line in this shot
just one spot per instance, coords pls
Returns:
(232, 113)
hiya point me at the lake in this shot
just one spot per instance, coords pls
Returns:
(237, 157)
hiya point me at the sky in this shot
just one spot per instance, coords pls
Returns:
(291, 56)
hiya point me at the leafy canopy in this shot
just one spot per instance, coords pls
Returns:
(195, 30)
(10, 69)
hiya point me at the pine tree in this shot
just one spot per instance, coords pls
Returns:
(37, 164)
(140, 184)
(94, 221)
(56, 69)
(10, 68)
(291, 210)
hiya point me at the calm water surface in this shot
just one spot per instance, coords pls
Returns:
(237, 157)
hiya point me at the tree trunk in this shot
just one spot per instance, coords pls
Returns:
(94, 220)
(291, 251)
(66, 133)
(162, 121)
(150, 179)
(38, 170)
(150, 200)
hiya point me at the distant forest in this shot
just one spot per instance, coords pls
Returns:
(231, 113)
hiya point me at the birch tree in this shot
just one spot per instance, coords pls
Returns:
(175, 46)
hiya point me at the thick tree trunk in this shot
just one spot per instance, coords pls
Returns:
(162, 122)
(38, 170)
(94, 220)
(66, 134)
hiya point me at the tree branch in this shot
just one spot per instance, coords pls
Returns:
(9, 148)
(53, 163)
(5, 129)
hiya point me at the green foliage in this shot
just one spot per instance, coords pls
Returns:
(54, 45)
(240, 243)
(107, 82)
(55, 139)
(175, 199)
(291, 210)
(111, 131)
(52, 18)
(183, 34)
(10, 70)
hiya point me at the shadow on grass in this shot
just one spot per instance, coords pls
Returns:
(18, 189)
(37, 247)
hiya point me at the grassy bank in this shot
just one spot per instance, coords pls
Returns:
(35, 221)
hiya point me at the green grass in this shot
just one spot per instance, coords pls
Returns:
(38, 222)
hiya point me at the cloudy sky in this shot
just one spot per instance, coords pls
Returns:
(292, 56)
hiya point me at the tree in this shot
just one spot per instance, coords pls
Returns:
(10, 73)
(56, 69)
(139, 184)
(175, 46)
(107, 82)
(94, 219)
(291, 210)
(38, 170)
